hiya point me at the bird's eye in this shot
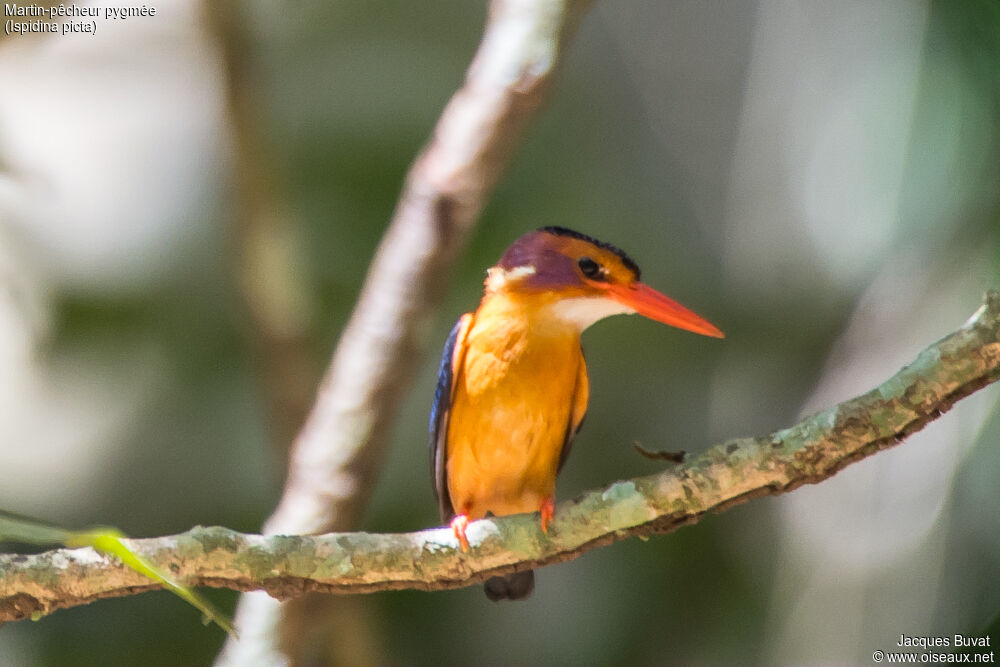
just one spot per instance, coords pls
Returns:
(590, 268)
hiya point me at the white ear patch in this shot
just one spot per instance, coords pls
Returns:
(496, 277)
(584, 311)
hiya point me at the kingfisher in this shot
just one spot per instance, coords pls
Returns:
(512, 387)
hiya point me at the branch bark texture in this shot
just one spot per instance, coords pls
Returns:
(726, 475)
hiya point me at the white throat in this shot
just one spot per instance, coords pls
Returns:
(583, 311)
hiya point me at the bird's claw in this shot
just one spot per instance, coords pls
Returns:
(547, 509)
(458, 526)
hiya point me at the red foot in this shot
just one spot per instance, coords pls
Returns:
(458, 526)
(547, 509)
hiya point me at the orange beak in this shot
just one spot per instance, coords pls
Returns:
(649, 303)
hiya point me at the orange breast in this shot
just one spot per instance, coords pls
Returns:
(510, 413)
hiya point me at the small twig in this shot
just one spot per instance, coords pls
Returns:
(726, 475)
(660, 455)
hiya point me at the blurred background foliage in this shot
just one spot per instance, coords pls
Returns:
(821, 180)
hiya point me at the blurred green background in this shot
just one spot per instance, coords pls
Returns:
(820, 180)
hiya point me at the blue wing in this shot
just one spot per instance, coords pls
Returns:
(454, 350)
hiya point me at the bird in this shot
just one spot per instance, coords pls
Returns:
(512, 386)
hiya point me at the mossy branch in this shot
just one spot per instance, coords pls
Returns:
(727, 474)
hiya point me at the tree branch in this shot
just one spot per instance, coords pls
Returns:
(726, 475)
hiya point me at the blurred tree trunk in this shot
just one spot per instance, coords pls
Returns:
(336, 456)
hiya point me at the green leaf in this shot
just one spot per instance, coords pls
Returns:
(106, 540)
